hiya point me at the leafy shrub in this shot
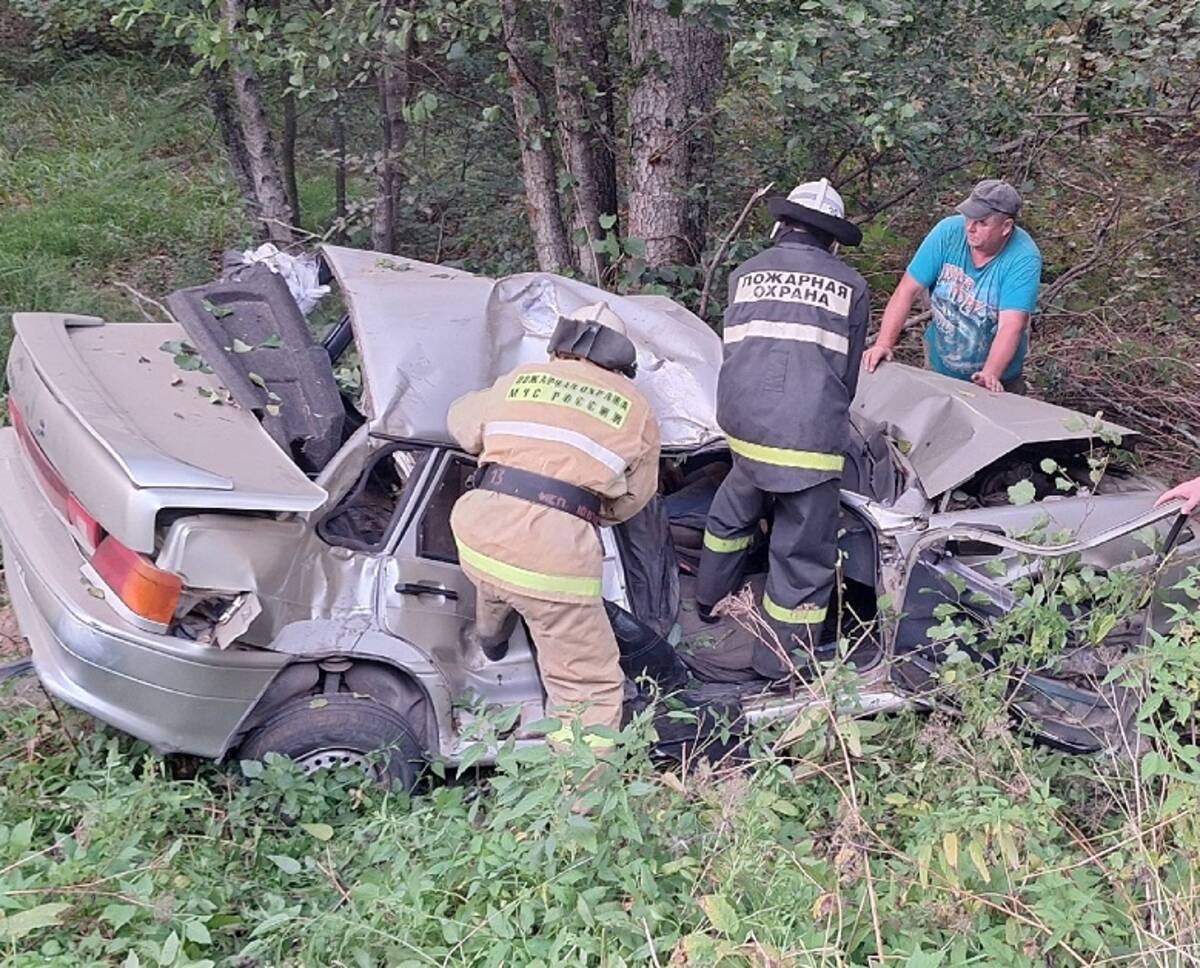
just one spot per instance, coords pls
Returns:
(931, 839)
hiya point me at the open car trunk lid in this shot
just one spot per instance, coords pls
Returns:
(249, 329)
(132, 434)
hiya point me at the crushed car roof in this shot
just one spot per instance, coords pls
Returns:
(951, 429)
(428, 334)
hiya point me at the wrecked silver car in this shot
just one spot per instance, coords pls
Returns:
(210, 545)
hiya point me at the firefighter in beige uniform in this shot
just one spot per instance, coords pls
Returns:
(564, 447)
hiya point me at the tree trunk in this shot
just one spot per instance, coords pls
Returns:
(1085, 69)
(231, 135)
(393, 91)
(289, 156)
(550, 240)
(585, 123)
(269, 191)
(392, 82)
(677, 62)
(707, 52)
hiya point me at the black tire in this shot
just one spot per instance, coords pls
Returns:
(340, 730)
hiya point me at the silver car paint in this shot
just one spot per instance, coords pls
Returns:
(175, 694)
(322, 601)
(428, 334)
(129, 439)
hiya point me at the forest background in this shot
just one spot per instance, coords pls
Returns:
(625, 143)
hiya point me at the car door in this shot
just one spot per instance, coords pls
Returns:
(429, 601)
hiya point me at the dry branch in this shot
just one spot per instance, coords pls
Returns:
(143, 298)
(1075, 272)
(716, 259)
(896, 199)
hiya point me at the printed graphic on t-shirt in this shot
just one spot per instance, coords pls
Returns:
(540, 387)
(964, 321)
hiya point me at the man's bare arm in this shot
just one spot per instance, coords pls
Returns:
(1188, 490)
(1004, 348)
(895, 314)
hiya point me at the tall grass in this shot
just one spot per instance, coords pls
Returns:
(110, 172)
(915, 840)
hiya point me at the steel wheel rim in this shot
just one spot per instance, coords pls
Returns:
(336, 757)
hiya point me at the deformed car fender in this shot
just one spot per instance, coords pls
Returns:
(374, 656)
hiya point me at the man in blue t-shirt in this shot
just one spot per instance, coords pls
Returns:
(982, 273)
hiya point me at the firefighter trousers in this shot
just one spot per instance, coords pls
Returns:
(802, 560)
(577, 654)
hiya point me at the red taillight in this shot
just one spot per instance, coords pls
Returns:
(86, 528)
(148, 591)
(55, 488)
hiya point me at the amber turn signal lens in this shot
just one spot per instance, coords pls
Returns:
(147, 591)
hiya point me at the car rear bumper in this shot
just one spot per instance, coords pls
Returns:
(172, 693)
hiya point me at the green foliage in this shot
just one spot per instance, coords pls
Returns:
(937, 83)
(77, 24)
(976, 846)
(937, 840)
(106, 175)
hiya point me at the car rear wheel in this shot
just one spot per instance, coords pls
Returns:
(339, 730)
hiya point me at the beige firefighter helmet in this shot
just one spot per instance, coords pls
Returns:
(599, 312)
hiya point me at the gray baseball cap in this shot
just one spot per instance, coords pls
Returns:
(989, 197)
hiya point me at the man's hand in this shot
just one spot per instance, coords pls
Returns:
(874, 355)
(1188, 490)
(984, 379)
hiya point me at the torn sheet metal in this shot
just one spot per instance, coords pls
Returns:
(428, 334)
(955, 429)
(234, 622)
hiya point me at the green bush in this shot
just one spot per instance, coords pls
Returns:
(927, 839)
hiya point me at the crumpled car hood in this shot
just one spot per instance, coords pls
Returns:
(428, 334)
(951, 429)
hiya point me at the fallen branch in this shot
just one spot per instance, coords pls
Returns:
(1180, 113)
(333, 878)
(913, 322)
(716, 259)
(1075, 272)
(650, 943)
(61, 722)
(873, 164)
(1166, 426)
(1001, 149)
(1155, 231)
(295, 229)
(143, 298)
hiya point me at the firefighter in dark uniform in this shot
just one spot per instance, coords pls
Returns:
(795, 329)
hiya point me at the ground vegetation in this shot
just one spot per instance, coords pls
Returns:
(620, 143)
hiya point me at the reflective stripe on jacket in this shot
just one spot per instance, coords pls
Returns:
(794, 333)
(573, 421)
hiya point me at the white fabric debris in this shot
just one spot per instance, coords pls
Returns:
(300, 272)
